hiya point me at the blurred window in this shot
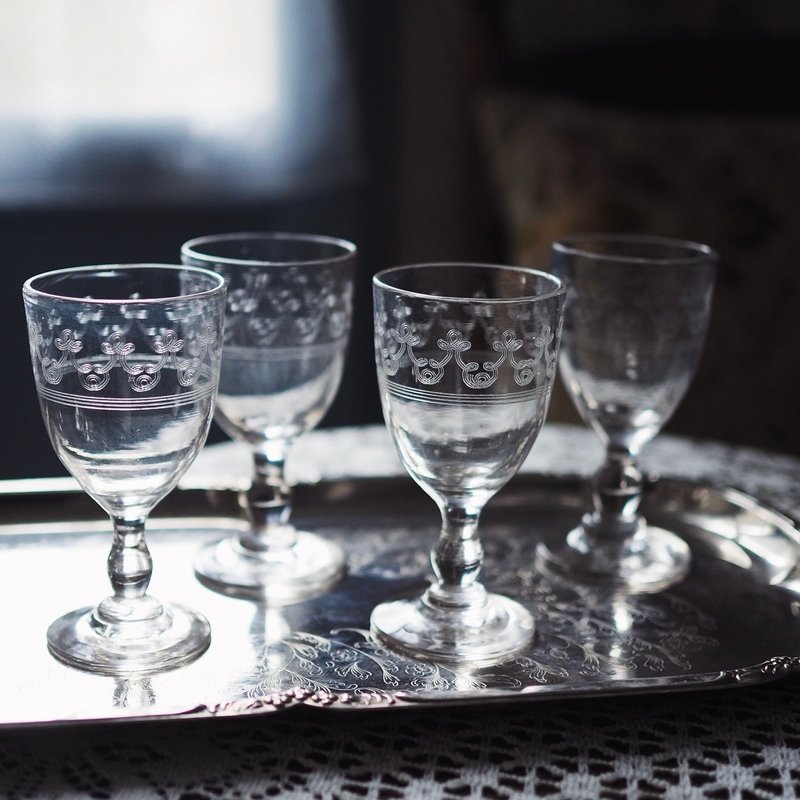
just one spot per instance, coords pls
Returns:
(171, 100)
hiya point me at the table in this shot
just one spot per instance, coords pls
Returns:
(740, 743)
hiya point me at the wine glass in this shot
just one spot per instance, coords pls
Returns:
(288, 317)
(126, 362)
(466, 355)
(634, 324)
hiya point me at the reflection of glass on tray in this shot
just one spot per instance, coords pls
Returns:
(729, 623)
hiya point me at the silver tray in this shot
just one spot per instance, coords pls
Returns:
(735, 620)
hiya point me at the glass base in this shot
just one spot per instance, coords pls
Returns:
(650, 561)
(489, 631)
(307, 569)
(87, 640)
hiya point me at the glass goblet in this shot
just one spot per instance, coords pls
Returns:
(634, 324)
(466, 355)
(288, 317)
(126, 362)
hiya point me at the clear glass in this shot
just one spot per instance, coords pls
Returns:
(288, 317)
(126, 362)
(465, 355)
(634, 325)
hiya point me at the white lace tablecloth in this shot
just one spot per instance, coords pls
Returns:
(743, 743)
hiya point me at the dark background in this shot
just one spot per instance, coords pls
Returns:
(425, 188)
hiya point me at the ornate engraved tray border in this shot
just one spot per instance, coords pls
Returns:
(735, 620)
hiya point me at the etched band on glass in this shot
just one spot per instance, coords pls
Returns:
(429, 371)
(453, 398)
(259, 354)
(143, 369)
(295, 309)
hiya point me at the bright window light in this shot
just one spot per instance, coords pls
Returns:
(104, 61)
(158, 98)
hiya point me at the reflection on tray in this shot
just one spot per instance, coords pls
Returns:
(731, 621)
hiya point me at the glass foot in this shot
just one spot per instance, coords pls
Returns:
(307, 569)
(88, 640)
(651, 560)
(493, 630)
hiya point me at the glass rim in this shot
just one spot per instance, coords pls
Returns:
(30, 290)
(189, 250)
(379, 280)
(578, 245)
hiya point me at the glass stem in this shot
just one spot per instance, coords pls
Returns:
(456, 559)
(130, 565)
(617, 493)
(130, 568)
(268, 504)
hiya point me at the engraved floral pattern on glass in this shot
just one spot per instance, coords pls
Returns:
(126, 363)
(430, 371)
(286, 334)
(319, 305)
(465, 357)
(288, 317)
(94, 375)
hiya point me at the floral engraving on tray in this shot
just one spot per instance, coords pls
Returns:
(348, 667)
(775, 667)
(598, 633)
(581, 635)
